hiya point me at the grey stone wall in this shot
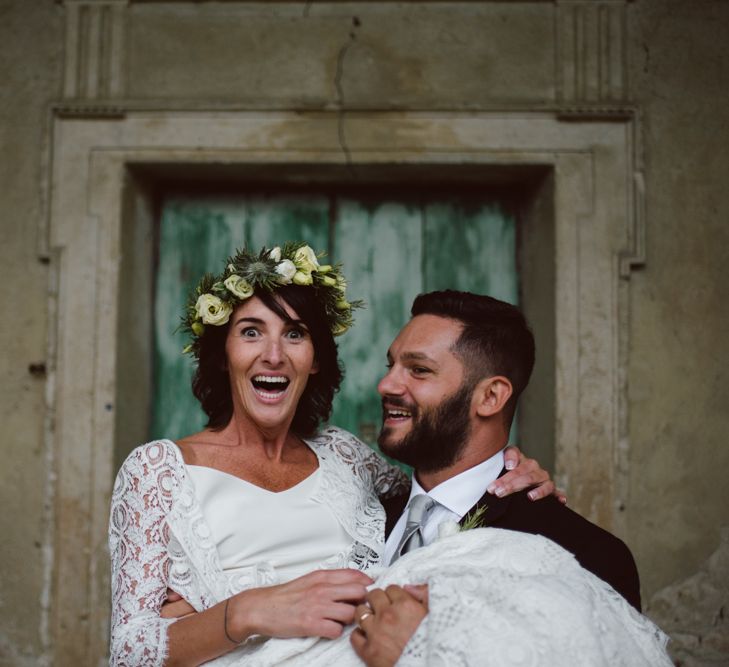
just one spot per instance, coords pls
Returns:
(31, 47)
(679, 391)
(429, 56)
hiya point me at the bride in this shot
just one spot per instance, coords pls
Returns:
(266, 526)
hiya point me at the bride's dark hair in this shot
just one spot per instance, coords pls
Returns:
(211, 383)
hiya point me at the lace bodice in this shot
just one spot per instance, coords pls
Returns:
(158, 536)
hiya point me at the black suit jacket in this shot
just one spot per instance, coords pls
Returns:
(602, 553)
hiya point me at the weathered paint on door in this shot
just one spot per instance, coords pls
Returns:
(392, 250)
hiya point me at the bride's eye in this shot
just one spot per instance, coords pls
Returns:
(249, 332)
(296, 333)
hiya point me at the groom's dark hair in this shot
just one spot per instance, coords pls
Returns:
(496, 339)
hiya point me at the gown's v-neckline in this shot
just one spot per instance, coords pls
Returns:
(262, 489)
(252, 484)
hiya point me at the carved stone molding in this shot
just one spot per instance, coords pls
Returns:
(589, 52)
(95, 45)
(592, 113)
(88, 111)
(592, 51)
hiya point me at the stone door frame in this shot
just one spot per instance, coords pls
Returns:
(597, 211)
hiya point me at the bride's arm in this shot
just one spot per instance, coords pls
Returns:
(317, 604)
(139, 566)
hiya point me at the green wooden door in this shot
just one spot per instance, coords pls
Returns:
(392, 249)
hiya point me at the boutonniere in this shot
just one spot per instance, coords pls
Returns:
(474, 519)
(470, 521)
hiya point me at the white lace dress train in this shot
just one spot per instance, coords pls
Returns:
(497, 598)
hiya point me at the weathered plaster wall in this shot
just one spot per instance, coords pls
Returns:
(679, 391)
(420, 56)
(375, 54)
(30, 52)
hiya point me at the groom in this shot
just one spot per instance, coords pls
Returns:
(456, 371)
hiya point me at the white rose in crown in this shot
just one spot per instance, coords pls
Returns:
(305, 259)
(447, 529)
(238, 286)
(275, 254)
(287, 270)
(213, 310)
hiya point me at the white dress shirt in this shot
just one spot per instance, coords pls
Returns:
(454, 498)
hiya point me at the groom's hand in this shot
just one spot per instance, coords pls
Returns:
(387, 622)
(175, 606)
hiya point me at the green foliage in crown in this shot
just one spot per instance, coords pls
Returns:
(215, 297)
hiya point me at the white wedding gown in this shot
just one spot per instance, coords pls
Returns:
(501, 598)
(496, 597)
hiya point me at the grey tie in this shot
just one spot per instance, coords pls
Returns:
(412, 538)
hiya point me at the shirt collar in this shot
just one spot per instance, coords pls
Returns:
(460, 493)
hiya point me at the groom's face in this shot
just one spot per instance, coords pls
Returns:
(425, 397)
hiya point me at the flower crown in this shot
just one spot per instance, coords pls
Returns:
(215, 297)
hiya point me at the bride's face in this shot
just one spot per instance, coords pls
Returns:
(269, 362)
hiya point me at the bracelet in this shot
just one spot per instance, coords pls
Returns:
(225, 626)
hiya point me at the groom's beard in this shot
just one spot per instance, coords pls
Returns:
(438, 435)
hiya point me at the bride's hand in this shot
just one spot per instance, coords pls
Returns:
(318, 604)
(524, 473)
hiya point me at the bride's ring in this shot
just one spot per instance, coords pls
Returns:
(363, 617)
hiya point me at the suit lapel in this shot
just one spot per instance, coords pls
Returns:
(495, 507)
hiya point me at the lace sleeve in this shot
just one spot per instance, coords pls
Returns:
(388, 480)
(139, 557)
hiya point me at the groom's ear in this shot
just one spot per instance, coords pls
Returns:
(491, 395)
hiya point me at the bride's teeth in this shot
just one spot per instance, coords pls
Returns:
(273, 378)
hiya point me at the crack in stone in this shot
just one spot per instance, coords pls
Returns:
(338, 76)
